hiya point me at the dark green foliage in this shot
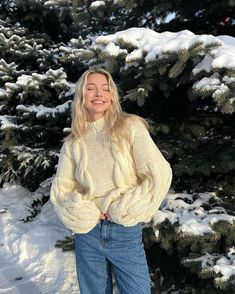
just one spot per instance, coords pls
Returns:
(29, 166)
(35, 208)
(34, 84)
(200, 17)
(198, 250)
(18, 278)
(195, 135)
(54, 22)
(106, 19)
(148, 237)
(169, 275)
(67, 244)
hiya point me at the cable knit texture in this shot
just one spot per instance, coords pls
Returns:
(94, 176)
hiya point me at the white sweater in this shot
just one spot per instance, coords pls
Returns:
(93, 176)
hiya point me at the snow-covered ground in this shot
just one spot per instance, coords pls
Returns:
(29, 261)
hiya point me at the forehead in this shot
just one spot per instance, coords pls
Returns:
(97, 78)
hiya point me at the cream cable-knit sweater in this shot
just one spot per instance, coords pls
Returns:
(93, 176)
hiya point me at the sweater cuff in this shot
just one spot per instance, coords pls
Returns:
(140, 203)
(80, 217)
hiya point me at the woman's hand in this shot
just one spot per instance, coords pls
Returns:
(108, 217)
(102, 216)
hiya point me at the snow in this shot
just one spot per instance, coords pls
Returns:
(213, 80)
(96, 4)
(5, 121)
(223, 56)
(146, 46)
(228, 80)
(3, 93)
(57, 77)
(205, 65)
(43, 111)
(29, 261)
(153, 43)
(11, 87)
(4, 66)
(114, 50)
(230, 41)
(223, 89)
(52, 3)
(192, 218)
(223, 260)
(225, 270)
(221, 265)
(27, 81)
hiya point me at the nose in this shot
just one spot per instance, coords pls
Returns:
(98, 92)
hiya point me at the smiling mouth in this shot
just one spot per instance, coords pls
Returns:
(98, 102)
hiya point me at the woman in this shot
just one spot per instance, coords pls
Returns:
(110, 179)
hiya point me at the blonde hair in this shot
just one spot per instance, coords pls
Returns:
(117, 118)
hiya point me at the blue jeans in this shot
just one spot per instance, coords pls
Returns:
(107, 248)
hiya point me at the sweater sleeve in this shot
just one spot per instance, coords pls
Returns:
(139, 204)
(66, 195)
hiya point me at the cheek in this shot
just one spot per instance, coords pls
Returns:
(87, 98)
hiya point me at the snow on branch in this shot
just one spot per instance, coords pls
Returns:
(194, 225)
(219, 266)
(43, 111)
(193, 214)
(57, 78)
(7, 121)
(169, 53)
(97, 4)
(152, 45)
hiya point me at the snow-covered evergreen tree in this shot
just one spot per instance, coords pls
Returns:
(33, 82)
(184, 82)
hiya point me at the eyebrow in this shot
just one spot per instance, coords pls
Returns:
(95, 84)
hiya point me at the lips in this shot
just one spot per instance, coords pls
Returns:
(98, 101)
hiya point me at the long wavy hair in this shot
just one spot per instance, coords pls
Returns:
(117, 118)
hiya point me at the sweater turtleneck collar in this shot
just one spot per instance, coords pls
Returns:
(98, 125)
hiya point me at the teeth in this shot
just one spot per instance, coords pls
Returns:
(98, 101)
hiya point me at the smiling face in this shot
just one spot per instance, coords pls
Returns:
(97, 95)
